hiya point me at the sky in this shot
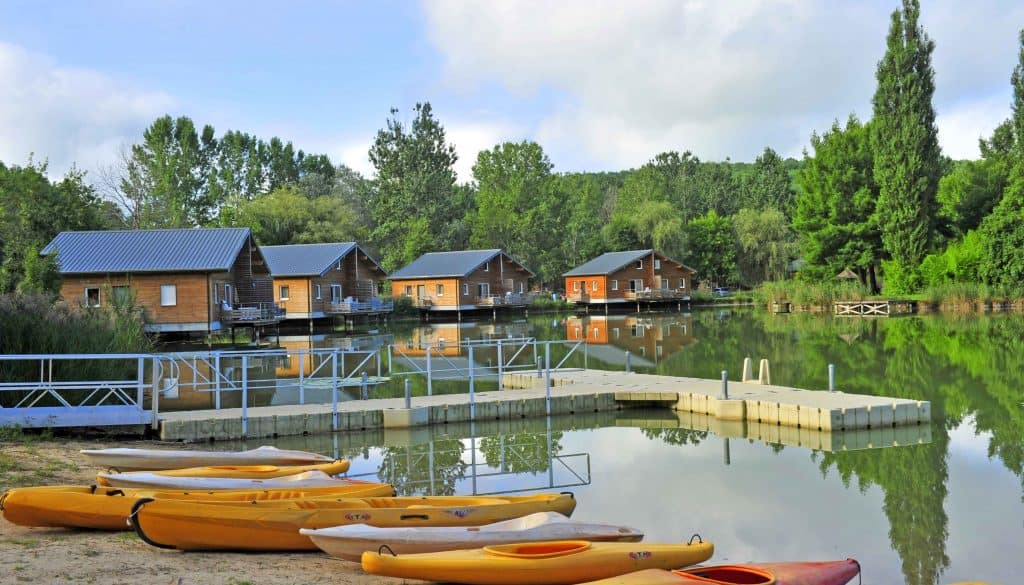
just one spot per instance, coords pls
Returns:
(601, 85)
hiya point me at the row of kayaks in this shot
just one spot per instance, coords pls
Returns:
(274, 500)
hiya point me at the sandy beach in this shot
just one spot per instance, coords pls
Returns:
(51, 555)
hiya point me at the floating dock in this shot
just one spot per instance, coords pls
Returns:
(571, 392)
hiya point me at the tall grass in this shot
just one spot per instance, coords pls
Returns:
(810, 294)
(969, 294)
(33, 324)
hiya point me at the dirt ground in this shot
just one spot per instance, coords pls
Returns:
(50, 555)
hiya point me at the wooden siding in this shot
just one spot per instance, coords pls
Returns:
(452, 296)
(358, 276)
(299, 293)
(192, 292)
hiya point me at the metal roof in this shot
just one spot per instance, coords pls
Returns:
(447, 264)
(305, 259)
(612, 261)
(165, 250)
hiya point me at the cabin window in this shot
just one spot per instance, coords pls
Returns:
(168, 295)
(636, 330)
(284, 292)
(522, 287)
(682, 283)
(636, 285)
(576, 285)
(120, 294)
(593, 285)
(483, 290)
(440, 290)
(657, 263)
(639, 264)
(92, 297)
(336, 293)
(615, 285)
(316, 291)
(216, 295)
(227, 293)
(465, 289)
(408, 290)
(487, 266)
(664, 284)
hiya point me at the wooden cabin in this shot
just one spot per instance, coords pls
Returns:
(635, 276)
(185, 280)
(466, 280)
(649, 341)
(313, 281)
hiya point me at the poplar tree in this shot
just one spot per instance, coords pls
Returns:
(907, 164)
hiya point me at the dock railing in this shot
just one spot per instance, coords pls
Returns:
(248, 378)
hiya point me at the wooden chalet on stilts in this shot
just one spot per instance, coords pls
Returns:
(184, 280)
(634, 279)
(462, 281)
(317, 281)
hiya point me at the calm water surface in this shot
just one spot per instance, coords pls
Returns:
(944, 506)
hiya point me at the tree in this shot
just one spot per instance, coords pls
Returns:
(518, 208)
(415, 180)
(711, 248)
(581, 237)
(907, 160)
(765, 245)
(1002, 231)
(287, 216)
(970, 192)
(769, 186)
(835, 210)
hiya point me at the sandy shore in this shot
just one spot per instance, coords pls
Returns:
(49, 555)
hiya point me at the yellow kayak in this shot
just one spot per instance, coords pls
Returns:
(274, 526)
(538, 563)
(241, 471)
(107, 508)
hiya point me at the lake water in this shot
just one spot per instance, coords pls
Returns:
(945, 506)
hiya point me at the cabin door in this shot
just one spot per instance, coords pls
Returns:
(335, 293)
(421, 291)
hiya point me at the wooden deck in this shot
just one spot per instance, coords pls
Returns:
(882, 308)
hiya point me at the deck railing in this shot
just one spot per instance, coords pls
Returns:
(659, 294)
(506, 300)
(251, 313)
(373, 305)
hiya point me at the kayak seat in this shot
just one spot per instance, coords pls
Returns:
(539, 550)
(731, 575)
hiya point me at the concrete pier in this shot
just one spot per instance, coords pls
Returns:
(571, 391)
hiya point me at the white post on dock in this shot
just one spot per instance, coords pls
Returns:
(584, 352)
(377, 353)
(430, 375)
(547, 379)
(831, 377)
(217, 377)
(725, 385)
(141, 371)
(629, 365)
(155, 406)
(536, 358)
(302, 376)
(408, 394)
(472, 386)
(364, 386)
(501, 364)
(245, 395)
(334, 391)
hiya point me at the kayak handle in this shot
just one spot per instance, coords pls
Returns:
(2, 498)
(570, 494)
(860, 575)
(696, 536)
(414, 517)
(134, 523)
(380, 550)
(116, 493)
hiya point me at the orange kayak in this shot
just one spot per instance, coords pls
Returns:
(107, 508)
(807, 573)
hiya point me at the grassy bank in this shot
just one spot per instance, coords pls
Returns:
(809, 294)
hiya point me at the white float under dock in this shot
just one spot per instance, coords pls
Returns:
(571, 391)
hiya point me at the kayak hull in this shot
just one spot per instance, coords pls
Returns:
(797, 573)
(124, 459)
(235, 471)
(274, 526)
(147, 480)
(107, 508)
(550, 563)
(349, 542)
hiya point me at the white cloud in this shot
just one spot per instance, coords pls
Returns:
(718, 78)
(67, 115)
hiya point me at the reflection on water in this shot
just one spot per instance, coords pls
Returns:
(947, 507)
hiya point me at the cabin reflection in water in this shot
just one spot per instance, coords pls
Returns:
(647, 339)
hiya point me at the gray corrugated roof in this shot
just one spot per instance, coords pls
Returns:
(304, 259)
(168, 250)
(608, 263)
(612, 261)
(446, 264)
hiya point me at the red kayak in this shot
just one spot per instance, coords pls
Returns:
(815, 573)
